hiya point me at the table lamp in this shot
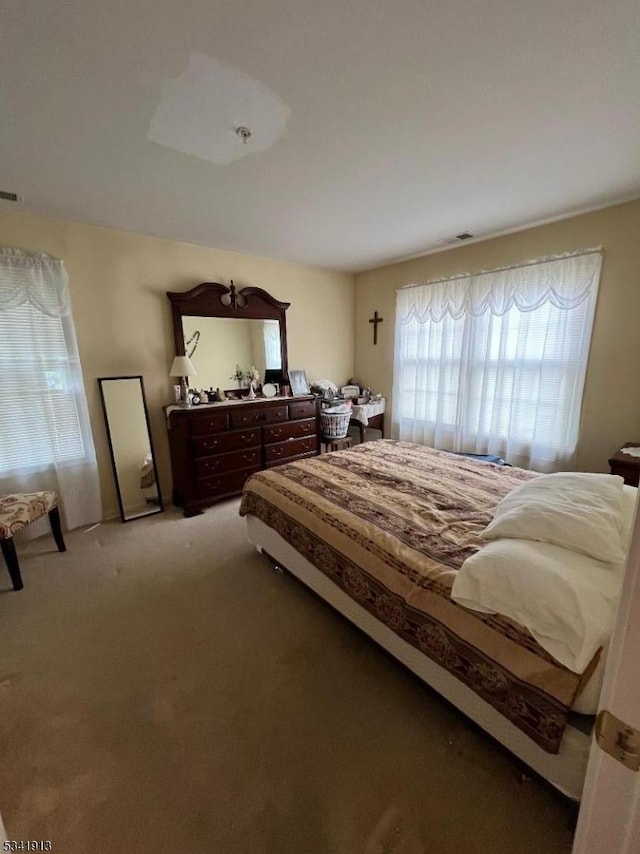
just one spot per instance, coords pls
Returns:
(183, 368)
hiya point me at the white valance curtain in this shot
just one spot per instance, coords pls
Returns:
(45, 435)
(495, 362)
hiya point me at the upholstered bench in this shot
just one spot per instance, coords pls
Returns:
(16, 512)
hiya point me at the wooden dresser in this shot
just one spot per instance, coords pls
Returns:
(625, 465)
(215, 448)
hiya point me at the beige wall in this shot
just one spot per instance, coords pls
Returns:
(118, 282)
(611, 405)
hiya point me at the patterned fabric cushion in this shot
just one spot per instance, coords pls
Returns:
(22, 508)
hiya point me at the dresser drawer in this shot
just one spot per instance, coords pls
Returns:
(291, 448)
(219, 444)
(304, 409)
(206, 466)
(208, 423)
(290, 430)
(259, 415)
(224, 484)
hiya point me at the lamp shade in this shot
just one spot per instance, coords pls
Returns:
(182, 367)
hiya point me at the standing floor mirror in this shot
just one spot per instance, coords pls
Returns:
(134, 463)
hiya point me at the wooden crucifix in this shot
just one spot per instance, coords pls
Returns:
(375, 320)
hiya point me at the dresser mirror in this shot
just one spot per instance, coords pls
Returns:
(220, 328)
(216, 345)
(134, 465)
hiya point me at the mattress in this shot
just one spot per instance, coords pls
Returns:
(390, 523)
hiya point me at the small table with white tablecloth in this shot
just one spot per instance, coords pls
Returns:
(368, 415)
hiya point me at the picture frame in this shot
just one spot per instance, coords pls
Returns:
(350, 391)
(298, 382)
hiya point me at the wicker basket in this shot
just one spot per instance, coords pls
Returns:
(334, 425)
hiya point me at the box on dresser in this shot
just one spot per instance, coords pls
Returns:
(215, 448)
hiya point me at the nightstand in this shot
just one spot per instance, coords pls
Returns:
(625, 465)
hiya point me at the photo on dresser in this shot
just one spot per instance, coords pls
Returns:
(299, 383)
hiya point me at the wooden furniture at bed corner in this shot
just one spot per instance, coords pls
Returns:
(375, 422)
(328, 445)
(625, 465)
(215, 448)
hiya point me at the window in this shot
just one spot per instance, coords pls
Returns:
(39, 418)
(495, 363)
(272, 354)
(45, 438)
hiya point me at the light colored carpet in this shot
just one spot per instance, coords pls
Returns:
(163, 690)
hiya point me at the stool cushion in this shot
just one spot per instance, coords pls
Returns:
(22, 508)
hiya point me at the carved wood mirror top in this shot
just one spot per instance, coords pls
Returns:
(215, 347)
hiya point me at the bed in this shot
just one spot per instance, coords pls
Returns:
(380, 532)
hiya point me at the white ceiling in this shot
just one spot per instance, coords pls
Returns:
(409, 120)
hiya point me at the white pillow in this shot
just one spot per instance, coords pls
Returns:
(577, 511)
(566, 600)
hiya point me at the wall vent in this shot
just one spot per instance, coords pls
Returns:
(9, 197)
(464, 235)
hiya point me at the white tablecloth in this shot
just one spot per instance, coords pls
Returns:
(365, 411)
(633, 452)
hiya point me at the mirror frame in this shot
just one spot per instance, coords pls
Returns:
(211, 299)
(160, 506)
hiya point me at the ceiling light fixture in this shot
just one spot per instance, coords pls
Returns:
(244, 133)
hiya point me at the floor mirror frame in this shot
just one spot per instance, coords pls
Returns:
(155, 507)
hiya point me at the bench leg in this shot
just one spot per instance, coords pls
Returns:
(9, 552)
(54, 518)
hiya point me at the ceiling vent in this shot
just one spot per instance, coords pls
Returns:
(10, 197)
(457, 238)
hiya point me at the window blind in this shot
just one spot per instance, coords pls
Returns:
(39, 418)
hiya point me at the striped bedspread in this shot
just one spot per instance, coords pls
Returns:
(391, 523)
